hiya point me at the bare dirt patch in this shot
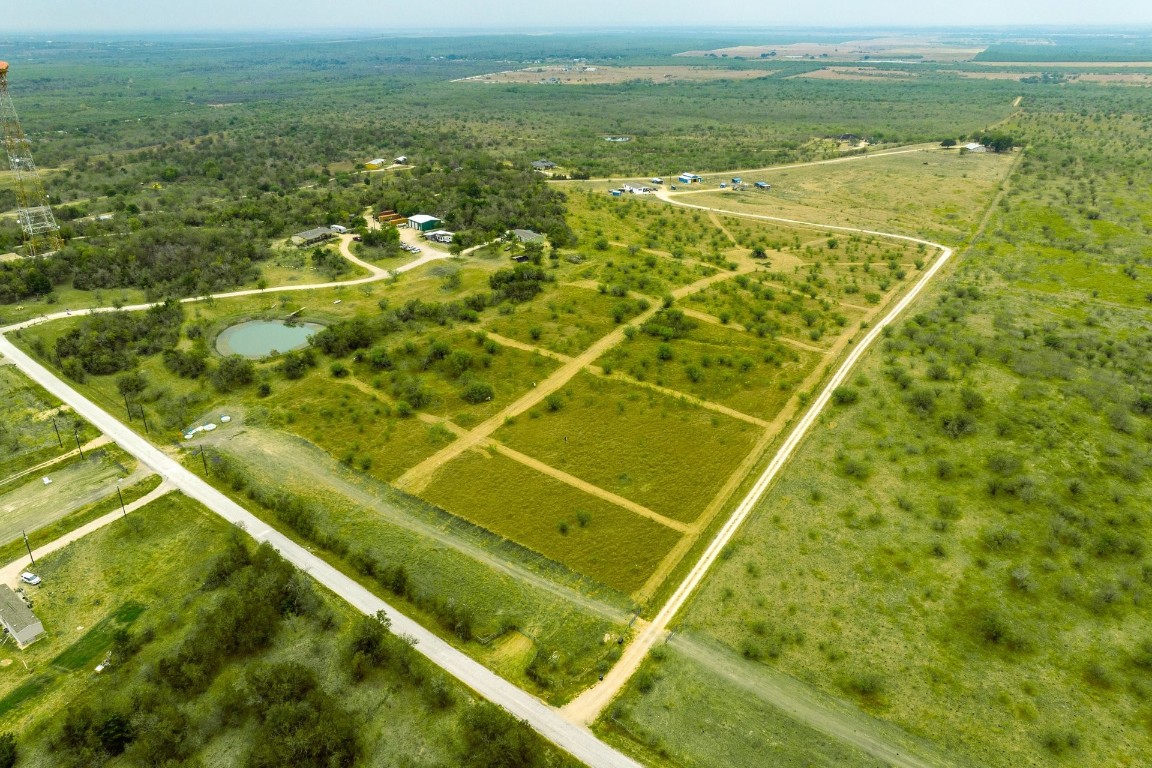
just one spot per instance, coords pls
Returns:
(580, 75)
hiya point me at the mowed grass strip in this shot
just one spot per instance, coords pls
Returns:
(658, 451)
(589, 535)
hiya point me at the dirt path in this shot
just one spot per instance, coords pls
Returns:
(829, 715)
(507, 342)
(596, 370)
(91, 445)
(10, 574)
(417, 478)
(589, 488)
(712, 217)
(588, 705)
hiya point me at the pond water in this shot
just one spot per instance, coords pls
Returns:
(260, 338)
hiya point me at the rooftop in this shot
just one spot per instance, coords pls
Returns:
(423, 218)
(15, 614)
(312, 233)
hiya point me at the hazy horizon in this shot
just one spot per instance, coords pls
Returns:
(297, 16)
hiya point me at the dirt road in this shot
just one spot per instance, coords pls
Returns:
(588, 706)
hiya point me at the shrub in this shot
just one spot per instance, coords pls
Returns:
(477, 392)
(845, 395)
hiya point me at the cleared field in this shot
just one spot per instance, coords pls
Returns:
(27, 436)
(668, 455)
(33, 504)
(930, 194)
(507, 586)
(612, 545)
(599, 75)
(352, 426)
(566, 319)
(735, 368)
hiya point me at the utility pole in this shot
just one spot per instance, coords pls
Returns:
(58, 438)
(144, 416)
(29, 546)
(126, 406)
(122, 509)
(76, 434)
(204, 460)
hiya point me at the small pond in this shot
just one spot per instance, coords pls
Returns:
(260, 338)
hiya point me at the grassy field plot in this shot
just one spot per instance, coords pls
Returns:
(511, 591)
(667, 455)
(27, 436)
(354, 427)
(33, 504)
(936, 193)
(751, 374)
(592, 536)
(566, 319)
(679, 713)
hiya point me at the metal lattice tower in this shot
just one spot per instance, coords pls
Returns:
(41, 232)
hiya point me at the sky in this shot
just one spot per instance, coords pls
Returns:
(61, 16)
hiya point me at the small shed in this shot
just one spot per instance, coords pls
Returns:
(377, 164)
(312, 236)
(402, 160)
(424, 222)
(974, 147)
(528, 236)
(543, 165)
(18, 618)
(689, 178)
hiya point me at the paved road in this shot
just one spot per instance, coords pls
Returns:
(574, 738)
(588, 706)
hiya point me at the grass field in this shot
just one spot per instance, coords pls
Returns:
(507, 586)
(958, 547)
(932, 194)
(565, 320)
(738, 369)
(27, 437)
(590, 535)
(668, 455)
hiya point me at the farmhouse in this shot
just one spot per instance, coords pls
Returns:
(424, 222)
(543, 165)
(377, 164)
(312, 236)
(439, 236)
(18, 618)
(528, 236)
(689, 178)
(974, 147)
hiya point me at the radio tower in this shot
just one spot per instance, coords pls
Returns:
(41, 233)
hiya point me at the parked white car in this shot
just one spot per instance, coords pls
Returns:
(29, 578)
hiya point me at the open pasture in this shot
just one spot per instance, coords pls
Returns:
(932, 193)
(565, 319)
(594, 537)
(651, 448)
(751, 374)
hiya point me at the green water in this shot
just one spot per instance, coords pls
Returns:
(260, 338)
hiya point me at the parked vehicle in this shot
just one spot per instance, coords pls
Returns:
(30, 578)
